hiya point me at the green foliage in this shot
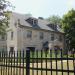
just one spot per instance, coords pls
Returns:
(4, 15)
(56, 20)
(68, 25)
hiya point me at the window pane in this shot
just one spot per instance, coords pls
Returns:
(29, 34)
(11, 50)
(35, 22)
(52, 37)
(3, 37)
(11, 35)
(41, 35)
(60, 38)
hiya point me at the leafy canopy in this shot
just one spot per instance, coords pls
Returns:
(56, 20)
(4, 15)
(68, 25)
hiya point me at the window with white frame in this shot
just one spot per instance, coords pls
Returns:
(3, 37)
(60, 37)
(52, 37)
(29, 34)
(12, 33)
(41, 35)
(35, 22)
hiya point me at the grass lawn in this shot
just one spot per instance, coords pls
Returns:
(18, 71)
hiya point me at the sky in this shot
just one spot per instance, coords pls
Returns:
(43, 8)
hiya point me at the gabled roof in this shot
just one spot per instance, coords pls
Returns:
(42, 24)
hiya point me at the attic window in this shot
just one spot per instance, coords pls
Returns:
(35, 22)
(53, 26)
(32, 21)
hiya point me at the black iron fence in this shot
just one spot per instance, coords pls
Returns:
(50, 62)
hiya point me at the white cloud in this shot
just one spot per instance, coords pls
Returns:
(70, 3)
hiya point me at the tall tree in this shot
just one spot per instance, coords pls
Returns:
(3, 15)
(68, 25)
(56, 20)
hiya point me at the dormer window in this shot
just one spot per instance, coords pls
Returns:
(54, 27)
(32, 21)
(35, 22)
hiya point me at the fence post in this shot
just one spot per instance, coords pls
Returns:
(27, 62)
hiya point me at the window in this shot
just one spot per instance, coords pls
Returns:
(15, 24)
(41, 35)
(29, 34)
(3, 37)
(52, 37)
(60, 38)
(11, 50)
(32, 21)
(35, 22)
(11, 35)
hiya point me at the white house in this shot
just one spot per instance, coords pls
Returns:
(26, 31)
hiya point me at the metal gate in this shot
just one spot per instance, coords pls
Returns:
(50, 62)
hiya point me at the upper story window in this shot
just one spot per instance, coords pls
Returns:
(52, 37)
(32, 21)
(35, 22)
(60, 38)
(41, 35)
(15, 24)
(54, 27)
(29, 34)
(12, 33)
(3, 37)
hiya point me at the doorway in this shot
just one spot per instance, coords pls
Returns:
(11, 50)
(31, 48)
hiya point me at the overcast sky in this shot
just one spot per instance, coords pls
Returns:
(43, 8)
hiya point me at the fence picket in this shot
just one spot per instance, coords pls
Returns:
(39, 62)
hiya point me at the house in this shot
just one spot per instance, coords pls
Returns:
(26, 32)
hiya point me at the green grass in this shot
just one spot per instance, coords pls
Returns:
(45, 54)
(40, 54)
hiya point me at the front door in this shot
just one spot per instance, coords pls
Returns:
(31, 48)
(11, 50)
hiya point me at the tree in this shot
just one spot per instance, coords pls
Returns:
(3, 15)
(56, 20)
(68, 26)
